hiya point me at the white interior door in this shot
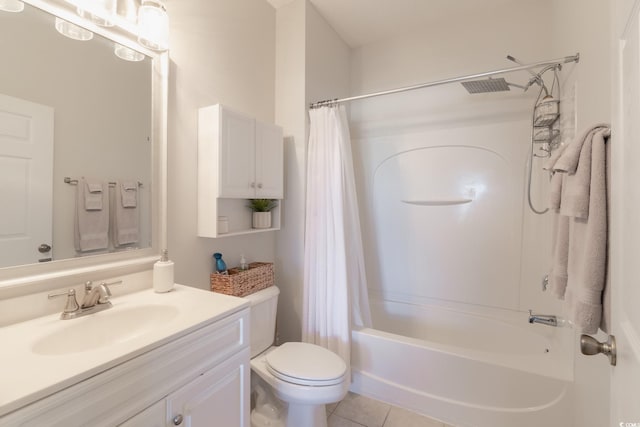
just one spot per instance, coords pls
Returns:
(26, 174)
(625, 215)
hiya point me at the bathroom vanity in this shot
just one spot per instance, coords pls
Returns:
(180, 358)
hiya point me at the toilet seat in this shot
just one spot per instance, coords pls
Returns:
(305, 364)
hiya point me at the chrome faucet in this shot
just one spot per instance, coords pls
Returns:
(95, 295)
(544, 319)
(96, 298)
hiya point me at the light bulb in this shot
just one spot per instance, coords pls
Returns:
(100, 12)
(11, 5)
(153, 24)
(72, 30)
(127, 53)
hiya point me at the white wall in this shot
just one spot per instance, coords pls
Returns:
(583, 26)
(312, 64)
(221, 52)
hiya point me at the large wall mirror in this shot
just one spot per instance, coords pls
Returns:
(74, 115)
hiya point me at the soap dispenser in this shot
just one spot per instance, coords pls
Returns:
(163, 274)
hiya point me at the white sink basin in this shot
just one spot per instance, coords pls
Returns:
(46, 354)
(108, 327)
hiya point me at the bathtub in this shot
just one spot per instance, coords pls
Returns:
(482, 368)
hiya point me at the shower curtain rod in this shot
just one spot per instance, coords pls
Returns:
(554, 62)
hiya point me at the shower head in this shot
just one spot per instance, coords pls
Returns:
(487, 85)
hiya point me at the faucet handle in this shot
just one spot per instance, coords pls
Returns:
(72, 302)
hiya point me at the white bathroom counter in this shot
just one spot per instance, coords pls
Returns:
(42, 356)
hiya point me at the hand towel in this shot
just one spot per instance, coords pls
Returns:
(576, 186)
(129, 192)
(93, 195)
(125, 227)
(588, 245)
(91, 226)
(555, 188)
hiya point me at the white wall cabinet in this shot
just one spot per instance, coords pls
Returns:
(198, 380)
(239, 158)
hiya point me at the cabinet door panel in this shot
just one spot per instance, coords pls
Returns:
(219, 397)
(269, 161)
(237, 158)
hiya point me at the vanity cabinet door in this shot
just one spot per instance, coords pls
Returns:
(153, 416)
(219, 397)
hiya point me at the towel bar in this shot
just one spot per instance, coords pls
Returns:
(71, 181)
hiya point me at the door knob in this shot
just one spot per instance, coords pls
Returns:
(590, 346)
(44, 248)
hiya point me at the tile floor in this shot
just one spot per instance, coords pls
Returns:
(360, 411)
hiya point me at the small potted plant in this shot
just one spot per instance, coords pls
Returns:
(262, 211)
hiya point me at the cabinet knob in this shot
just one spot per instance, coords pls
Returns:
(260, 185)
(253, 185)
(177, 420)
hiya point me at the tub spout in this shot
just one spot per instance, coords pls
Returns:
(544, 319)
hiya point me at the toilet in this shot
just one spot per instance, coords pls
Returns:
(304, 376)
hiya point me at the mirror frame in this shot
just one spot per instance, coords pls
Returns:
(31, 278)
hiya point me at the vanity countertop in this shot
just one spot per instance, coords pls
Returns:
(34, 364)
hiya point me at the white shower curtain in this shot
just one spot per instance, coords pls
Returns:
(335, 286)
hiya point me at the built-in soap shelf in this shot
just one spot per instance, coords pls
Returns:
(439, 202)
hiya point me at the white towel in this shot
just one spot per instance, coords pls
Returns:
(588, 245)
(93, 193)
(91, 226)
(129, 190)
(125, 228)
(578, 273)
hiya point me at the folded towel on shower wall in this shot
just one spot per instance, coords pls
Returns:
(91, 219)
(125, 224)
(581, 226)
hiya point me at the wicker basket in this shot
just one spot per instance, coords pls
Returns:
(240, 283)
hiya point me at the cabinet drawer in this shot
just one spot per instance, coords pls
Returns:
(117, 394)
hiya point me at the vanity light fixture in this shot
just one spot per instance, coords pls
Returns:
(153, 25)
(127, 53)
(100, 12)
(11, 5)
(72, 31)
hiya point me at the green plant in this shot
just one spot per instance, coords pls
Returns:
(262, 205)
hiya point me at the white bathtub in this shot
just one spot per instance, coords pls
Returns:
(482, 369)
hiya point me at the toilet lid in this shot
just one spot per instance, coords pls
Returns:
(306, 364)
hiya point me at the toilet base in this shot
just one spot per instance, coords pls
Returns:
(306, 415)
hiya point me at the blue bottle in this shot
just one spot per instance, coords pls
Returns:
(221, 267)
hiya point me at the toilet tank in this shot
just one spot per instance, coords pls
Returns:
(264, 305)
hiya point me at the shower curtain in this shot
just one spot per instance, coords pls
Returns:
(335, 287)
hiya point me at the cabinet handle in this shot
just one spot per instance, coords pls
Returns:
(253, 185)
(177, 420)
(260, 185)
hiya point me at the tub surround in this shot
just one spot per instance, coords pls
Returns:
(35, 367)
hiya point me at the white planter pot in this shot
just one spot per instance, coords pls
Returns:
(262, 220)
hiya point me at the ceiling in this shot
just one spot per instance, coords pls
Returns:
(360, 22)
